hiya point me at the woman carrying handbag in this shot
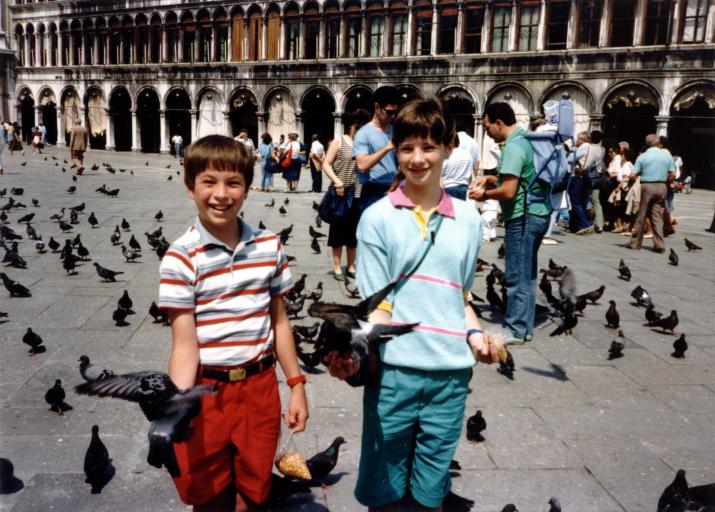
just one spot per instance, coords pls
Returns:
(339, 166)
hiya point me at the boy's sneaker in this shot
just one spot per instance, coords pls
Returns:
(513, 340)
(528, 337)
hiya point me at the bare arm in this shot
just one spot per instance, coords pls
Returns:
(483, 351)
(184, 359)
(297, 414)
(506, 191)
(367, 162)
(330, 157)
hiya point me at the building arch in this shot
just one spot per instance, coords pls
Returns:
(148, 119)
(48, 112)
(692, 128)
(629, 109)
(520, 100)
(311, 4)
(95, 117)
(462, 103)
(357, 97)
(279, 105)
(211, 112)
(317, 106)
(582, 99)
(178, 114)
(408, 92)
(71, 109)
(120, 104)
(242, 112)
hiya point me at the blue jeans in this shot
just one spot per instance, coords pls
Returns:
(177, 150)
(522, 238)
(266, 179)
(460, 191)
(579, 194)
(371, 193)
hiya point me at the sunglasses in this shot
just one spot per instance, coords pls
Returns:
(390, 112)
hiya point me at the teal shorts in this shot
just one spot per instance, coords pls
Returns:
(411, 427)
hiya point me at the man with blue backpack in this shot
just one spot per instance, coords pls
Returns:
(525, 197)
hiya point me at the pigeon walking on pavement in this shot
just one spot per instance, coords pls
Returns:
(34, 341)
(96, 462)
(679, 347)
(475, 426)
(623, 271)
(55, 397)
(673, 258)
(15, 288)
(691, 246)
(616, 350)
(667, 323)
(612, 317)
(90, 371)
(106, 274)
(322, 463)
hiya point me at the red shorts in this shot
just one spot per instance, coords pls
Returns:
(233, 441)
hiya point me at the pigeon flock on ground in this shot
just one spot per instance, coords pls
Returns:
(340, 327)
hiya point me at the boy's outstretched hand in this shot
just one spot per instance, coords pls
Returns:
(297, 415)
(340, 367)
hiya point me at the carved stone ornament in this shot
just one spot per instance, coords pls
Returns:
(631, 98)
(689, 98)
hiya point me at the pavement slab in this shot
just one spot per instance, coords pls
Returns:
(600, 435)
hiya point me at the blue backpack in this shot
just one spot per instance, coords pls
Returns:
(550, 161)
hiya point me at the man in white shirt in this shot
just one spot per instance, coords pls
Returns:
(246, 141)
(176, 142)
(462, 164)
(316, 156)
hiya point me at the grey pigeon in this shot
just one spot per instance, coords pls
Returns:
(96, 462)
(91, 372)
(641, 296)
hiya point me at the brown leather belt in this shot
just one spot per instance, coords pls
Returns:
(238, 373)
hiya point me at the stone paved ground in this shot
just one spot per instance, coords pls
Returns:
(600, 435)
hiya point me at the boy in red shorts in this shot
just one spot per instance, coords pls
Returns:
(223, 284)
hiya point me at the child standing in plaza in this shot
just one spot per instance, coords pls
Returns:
(223, 284)
(428, 240)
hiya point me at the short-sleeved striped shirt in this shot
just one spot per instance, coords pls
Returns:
(229, 291)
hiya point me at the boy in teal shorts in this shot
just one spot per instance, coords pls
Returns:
(412, 420)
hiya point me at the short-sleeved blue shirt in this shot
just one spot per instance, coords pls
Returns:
(654, 165)
(369, 140)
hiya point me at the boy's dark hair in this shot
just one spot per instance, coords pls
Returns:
(386, 95)
(500, 110)
(424, 118)
(314, 137)
(220, 153)
(596, 136)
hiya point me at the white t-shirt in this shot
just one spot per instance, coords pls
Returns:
(177, 139)
(678, 165)
(457, 169)
(625, 171)
(248, 143)
(614, 168)
(317, 149)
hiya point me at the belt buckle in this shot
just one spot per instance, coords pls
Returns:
(236, 374)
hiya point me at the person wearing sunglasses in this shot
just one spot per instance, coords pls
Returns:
(373, 150)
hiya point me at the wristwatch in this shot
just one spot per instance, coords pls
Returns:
(474, 331)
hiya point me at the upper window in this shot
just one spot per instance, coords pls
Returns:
(332, 30)
(622, 20)
(528, 27)
(292, 35)
(657, 19)
(500, 29)
(589, 22)
(694, 18)
(473, 23)
(377, 32)
(447, 28)
(312, 32)
(423, 28)
(557, 22)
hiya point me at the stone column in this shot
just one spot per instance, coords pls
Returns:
(229, 42)
(46, 49)
(338, 129)
(299, 125)
(487, 29)
(572, 29)
(596, 122)
(227, 124)
(435, 31)
(194, 133)
(710, 27)
(386, 50)
(458, 44)
(135, 132)
(164, 57)
(246, 41)
(163, 146)
(605, 21)
(675, 22)
(321, 39)
(662, 125)
(639, 22)
(109, 139)
(410, 30)
(282, 41)
(343, 35)
(513, 35)
(541, 33)
(61, 128)
(180, 49)
(364, 40)
(60, 48)
(95, 57)
(197, 41)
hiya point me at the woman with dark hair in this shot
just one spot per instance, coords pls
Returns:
(339, 166)
(269, 162)
(292, 173)
(15, 136)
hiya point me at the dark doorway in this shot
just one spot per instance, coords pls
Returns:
(628, 121)
(318, 108)
(148, 121)
(27, 116)
(178, 117)
(120, 111)
(242, 114)
(49, 118)
(358, 98)
(463, 111)
(691, 132)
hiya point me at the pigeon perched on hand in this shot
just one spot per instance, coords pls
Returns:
(169, 409)
(34, 341)
(96, 462)
(346, 330)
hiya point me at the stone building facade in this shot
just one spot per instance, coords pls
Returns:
(139, 75)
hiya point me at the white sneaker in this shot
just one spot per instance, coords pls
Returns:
(549, 241)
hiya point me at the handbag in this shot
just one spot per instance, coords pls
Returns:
(334, 208)
(287, 158)
(271, 166)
